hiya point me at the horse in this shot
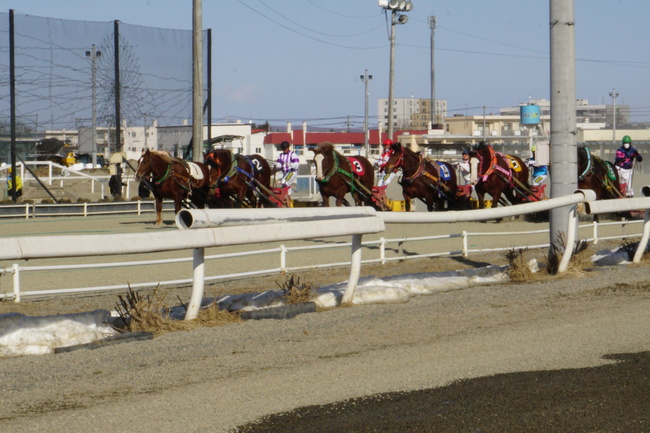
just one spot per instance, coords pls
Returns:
(598, 175)
(239, 179)
(497, 174)
(337, 175)
(174, 179)
(434, 183)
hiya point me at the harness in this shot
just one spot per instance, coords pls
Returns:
(348, 177)
(494, 167)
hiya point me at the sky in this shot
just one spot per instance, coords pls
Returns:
(282, 60)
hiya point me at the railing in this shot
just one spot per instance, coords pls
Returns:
(283, 251)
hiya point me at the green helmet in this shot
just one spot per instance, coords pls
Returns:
(627, 139)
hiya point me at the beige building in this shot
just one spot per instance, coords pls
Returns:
(410, 113)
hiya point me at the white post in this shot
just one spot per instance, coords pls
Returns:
(197, 286)
(283, 259)
(464, 235)
(595, 231)
(16, 272)
(643, 243)
(355, 269)
(382, 250)
(570, 239)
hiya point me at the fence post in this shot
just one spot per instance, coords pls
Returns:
(16, 277)
(85, 209)
(595, 232)
(355, 269)
(464, 236)
(197, 284)
(382, 250)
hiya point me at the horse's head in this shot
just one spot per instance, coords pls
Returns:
(396, 159)
(323, 156)
(220, 160)
(144, 166)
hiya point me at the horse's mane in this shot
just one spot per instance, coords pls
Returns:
(324, 147)
(164, 155)
(396, 147)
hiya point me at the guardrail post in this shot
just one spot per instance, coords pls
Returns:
(595, 232)
(26, 211)
(643, 243)
(139, 207)
(197, 284)
(85, 209)
(283, 259)
(570, 239)
(355, 269)
(464, 236)
(382, 250)
(16, 277)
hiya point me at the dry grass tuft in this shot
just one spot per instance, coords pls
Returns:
(519, 270)
(294, 292)
(151, 314)
(580, 257)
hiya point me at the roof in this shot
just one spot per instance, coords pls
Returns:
(298, 138)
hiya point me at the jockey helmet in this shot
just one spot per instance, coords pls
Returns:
(284, 145)
(465, 152)
(627, 139)
(387, 142)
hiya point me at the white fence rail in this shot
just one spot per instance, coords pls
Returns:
(24, 248)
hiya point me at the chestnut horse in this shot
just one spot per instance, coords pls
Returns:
(496, 174)
(337, 175)
(239, 179)
(174, 179)
(598, 175)
(434, 183)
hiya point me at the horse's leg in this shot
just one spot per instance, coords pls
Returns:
(158, 206)
(480, 194)
(407, 201)
(326, 200)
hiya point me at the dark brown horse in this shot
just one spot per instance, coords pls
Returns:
(240, 180)
(337, 175)
(598, 175)
(174, 179)
(498, 174)
(434, 183)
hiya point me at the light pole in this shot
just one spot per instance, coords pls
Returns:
(614, 95)
(93, 54)
(366, 78)
(394, 6)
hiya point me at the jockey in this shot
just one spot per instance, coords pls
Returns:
(288, 163)
(386, 178)
(624, 162)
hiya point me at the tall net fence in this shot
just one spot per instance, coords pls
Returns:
(65, 79)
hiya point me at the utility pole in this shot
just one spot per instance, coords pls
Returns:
(93, 54)
(366, 78)
(614, 95)
(394, 6)
(197, 81)
(434, 117)
(484, 125)
(564, 155)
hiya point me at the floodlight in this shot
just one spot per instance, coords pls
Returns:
(383, 3)
(403, 19)
(393, 4)
(402, 5)
(409, 6)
